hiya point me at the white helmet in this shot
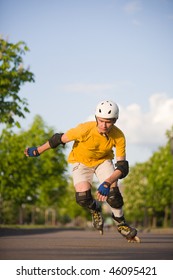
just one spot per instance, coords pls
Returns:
(107, 110)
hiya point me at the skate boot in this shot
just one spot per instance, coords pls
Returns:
(125, 230)
(97, 219)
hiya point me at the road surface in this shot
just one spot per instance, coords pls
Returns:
(69, 244)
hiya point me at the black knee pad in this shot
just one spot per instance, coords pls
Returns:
(115, 199)
(85, 199)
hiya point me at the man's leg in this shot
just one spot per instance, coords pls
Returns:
(86, 200)
(82, 177)
(115, 200)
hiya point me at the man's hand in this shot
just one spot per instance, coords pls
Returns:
(31, 152)
(103, 191)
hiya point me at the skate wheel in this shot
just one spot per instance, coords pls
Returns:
(135, 239)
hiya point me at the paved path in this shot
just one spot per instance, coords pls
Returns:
(61, 244)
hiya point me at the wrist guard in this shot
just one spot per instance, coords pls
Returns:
(33, 152)
(123, 166)
(104, 188)
(55, 140)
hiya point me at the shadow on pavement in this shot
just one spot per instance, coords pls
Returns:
(31, 231)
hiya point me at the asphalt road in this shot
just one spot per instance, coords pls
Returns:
(68, 244)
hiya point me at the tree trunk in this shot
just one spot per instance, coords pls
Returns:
(21, 214)
(165, 220)
(154, 222)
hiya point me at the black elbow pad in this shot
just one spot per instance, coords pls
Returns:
(55, 140)
(123, 166)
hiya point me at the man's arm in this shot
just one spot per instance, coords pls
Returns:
(121, 171)
(56, 140)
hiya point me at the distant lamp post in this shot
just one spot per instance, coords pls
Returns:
(171, 147)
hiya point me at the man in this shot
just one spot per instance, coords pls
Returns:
(92, 153)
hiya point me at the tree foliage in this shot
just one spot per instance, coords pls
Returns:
(12, 76)
(38, 181)
(148, 189)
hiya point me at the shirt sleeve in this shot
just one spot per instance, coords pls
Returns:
(120, 144)
(77, 133)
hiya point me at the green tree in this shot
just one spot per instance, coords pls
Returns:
(39, 181)
(160, 184)
(135, 191)
(148, 189)
(12, 76)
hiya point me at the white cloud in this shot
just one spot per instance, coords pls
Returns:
(147, 127)
(136, 22)
(132, 7)
(89, 88)
(145, 131)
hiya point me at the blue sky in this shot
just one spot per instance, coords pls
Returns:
(83, 52)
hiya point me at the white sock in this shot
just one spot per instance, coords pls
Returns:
(117, 212)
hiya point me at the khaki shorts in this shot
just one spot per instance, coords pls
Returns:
(83, 173)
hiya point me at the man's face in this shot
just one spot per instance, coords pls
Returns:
(104, 125)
